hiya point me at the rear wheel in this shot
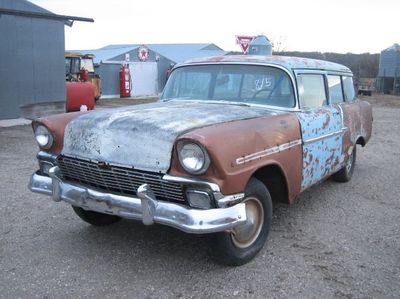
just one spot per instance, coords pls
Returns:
(242, 244)
(94, 218)
(345, 174)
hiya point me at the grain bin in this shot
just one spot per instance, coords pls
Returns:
(388, 80)
(260, 46)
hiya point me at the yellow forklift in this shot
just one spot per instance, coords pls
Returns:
(80, 68)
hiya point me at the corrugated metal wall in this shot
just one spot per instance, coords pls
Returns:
(109, 72)
(163, 64)
(31, 60)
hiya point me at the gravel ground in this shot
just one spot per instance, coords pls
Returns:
(338, 241)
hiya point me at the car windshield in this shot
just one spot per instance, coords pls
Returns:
(250, 84)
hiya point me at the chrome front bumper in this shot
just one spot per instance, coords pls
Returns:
(144, 207)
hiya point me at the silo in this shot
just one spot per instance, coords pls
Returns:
(388, 80)
(260, 46)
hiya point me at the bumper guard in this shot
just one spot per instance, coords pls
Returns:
(144, 207)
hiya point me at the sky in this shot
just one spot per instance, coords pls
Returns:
(340, 26)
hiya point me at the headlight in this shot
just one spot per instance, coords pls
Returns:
(43, 137)
(193, 157)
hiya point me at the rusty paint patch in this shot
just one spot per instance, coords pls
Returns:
(323, 143)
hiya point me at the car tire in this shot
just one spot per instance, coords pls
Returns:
(344, 175)
(94, 218)
(243, 243)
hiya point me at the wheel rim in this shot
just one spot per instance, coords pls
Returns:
(247, 233)
(349, 163)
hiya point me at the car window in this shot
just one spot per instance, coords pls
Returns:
(335, 89)
(227, 86)
(191, 85)
(348, 88)
(311, 90)
(251, 84)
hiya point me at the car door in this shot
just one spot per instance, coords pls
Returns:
(321, 128)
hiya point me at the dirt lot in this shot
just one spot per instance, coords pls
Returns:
(338, 241)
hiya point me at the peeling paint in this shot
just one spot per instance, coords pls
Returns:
(322, 143)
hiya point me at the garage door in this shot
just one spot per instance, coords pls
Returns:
(144, 78)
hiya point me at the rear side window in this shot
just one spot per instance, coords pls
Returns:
(348, 87)
(311, 90)
(335, 89)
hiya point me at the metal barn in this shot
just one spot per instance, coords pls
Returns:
(148, 70)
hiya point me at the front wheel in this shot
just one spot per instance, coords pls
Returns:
(345, 174)
(242, 243)
(94, 218)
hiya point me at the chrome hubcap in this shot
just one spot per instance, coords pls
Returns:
(246, 234)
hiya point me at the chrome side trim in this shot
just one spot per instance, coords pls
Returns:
(341, 131)
(143, 207)
(267, 152)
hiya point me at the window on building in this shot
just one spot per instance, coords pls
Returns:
(335, 89)
(311, 90)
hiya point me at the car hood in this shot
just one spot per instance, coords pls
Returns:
(143, 136)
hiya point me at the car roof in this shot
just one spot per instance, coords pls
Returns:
(288, 62)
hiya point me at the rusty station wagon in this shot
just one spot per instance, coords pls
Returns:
(230, 135)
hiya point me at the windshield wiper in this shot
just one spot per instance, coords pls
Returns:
(171, 99)
(209, 101)
(227, 102)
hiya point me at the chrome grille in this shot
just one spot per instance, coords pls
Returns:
(117, 179)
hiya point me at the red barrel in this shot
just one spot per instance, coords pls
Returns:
(79, 95)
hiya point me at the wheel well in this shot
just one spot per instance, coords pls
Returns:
(361, 141)
(272, 177)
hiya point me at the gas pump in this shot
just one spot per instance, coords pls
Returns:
(125, 83)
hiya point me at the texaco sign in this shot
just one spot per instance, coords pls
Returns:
(143, 53)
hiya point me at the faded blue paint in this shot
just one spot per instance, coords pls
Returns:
(322, 156)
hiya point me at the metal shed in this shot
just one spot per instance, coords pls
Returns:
(148, 75)
(32, 51)
(31, 58)
(388, 80)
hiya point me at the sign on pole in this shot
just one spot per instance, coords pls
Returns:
(244, 41)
